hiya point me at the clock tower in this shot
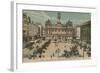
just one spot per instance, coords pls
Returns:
(58, 18)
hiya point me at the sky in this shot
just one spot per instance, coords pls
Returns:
(42, 16)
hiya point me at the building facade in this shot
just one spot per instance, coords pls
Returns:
(59, 31)
(30, 30)
(78, 32)
(86, 32)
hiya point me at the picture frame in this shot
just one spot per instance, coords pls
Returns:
(17, 63)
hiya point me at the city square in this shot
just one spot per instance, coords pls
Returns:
(56, 41)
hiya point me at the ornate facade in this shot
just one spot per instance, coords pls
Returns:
(59, 31)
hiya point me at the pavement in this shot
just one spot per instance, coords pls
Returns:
(56, 49)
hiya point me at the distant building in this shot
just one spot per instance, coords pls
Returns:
(78, 32)
(86, 32)
(59, 31)
(30, 30)
(33, 31)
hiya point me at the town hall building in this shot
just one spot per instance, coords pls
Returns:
(59, 31)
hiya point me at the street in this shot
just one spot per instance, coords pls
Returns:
(55, 51)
